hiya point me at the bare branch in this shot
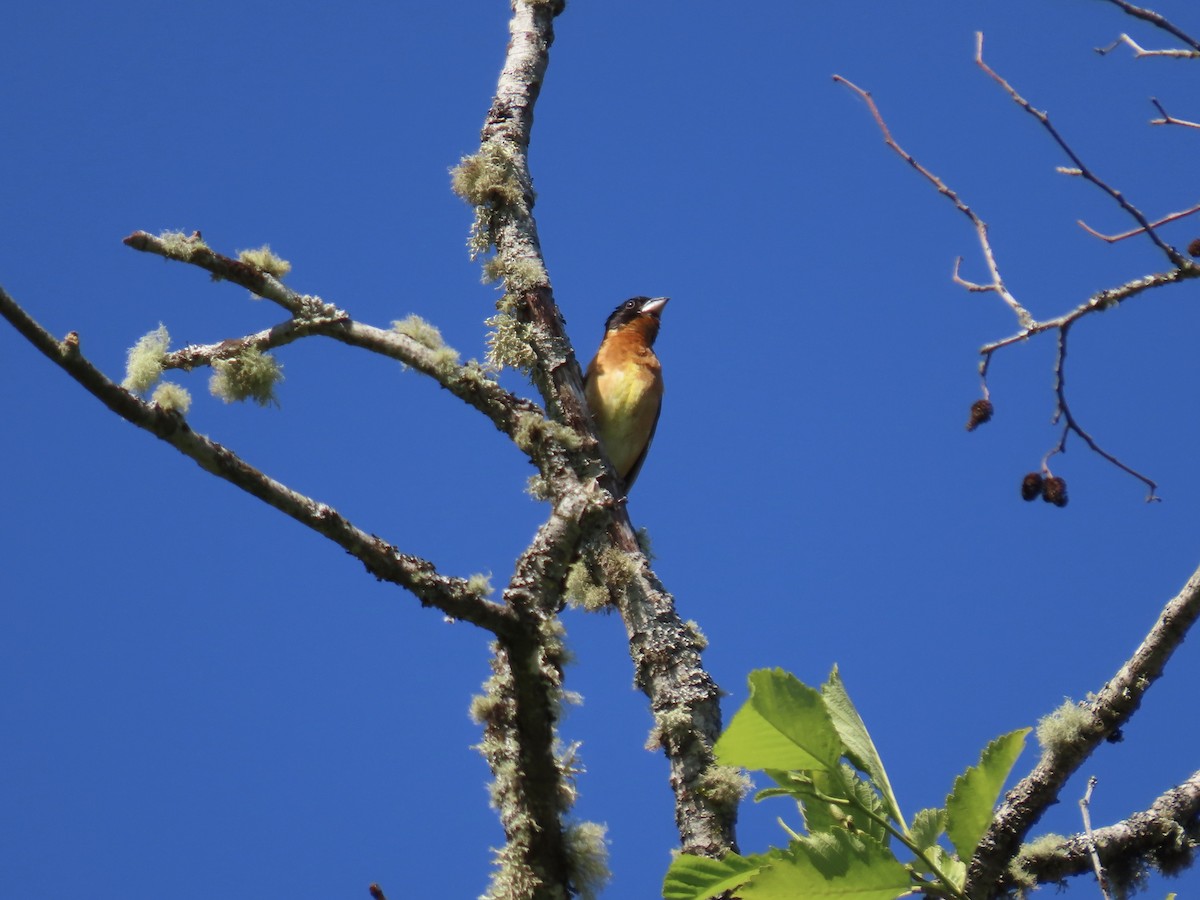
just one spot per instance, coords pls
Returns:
(1111, 708)
(1168, 119)
(1063, 412)
(1173, 255)
(1149, 15)
(451, 595)
(1085, 811)
(1163, 837)
(1098, 302)
(1139, 51)
(1113, 238)
(1028, 325)
(997, 284)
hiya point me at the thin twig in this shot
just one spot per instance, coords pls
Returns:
(1168, 830)
(1084, 172)
(997, 284)
(1139, 51)
(1113, 238)
(1084, 803)
(1149, 15)
(1063, 412)
(1168, 119)
(1028, 325)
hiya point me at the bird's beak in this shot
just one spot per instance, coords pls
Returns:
(655, 306)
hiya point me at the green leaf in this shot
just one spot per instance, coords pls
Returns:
(860, 749)
(697, 878)
(819, 793)
(784, 725)
(927, 827)
(818, 814)
(970, 804)
(951, 868)
(833, 865)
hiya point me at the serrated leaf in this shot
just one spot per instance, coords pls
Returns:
(698, 878)
(817, 794)
(969, 808)
(835, 865)
(949, 867)
(860, 749)
(818, 815)
(927, 827)
(783, 725)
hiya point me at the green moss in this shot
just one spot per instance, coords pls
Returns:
(180, 245)
(534, 431)
(595, 578)
(520, 276)
(725, 785)
(618, 567)
(1039, 848)
(509, 343)
(587, 857)
(264, 259)
(251, 375)
(668, 724)
(171, 396)
(1063, 726)
(144, 362)
(583, 587)
(538, 488)
(480, 585)
(488, 178)
(424, 333)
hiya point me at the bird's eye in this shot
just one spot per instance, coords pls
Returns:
(629, 304)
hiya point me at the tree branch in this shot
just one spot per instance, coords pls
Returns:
(1176, 258)
(1168, 119)
(1063, 411)
(1149, 15)
(1028, 325)
(452, 596)
(312, 316)
(1163, 837)
(1116, 702)
(664, 648)
(1170, 217)
(996, 285)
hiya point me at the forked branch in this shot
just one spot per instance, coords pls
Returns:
(1108, 710)
(454, 596)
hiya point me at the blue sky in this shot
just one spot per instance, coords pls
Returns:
(201, 697)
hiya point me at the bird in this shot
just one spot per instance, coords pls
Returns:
(624, 385)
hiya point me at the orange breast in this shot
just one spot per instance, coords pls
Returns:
(624, 391)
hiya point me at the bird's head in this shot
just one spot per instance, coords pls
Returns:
(642, 310)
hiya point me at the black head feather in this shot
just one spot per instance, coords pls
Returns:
(632, 308)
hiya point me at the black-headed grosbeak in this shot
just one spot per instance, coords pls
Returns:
(624, 384)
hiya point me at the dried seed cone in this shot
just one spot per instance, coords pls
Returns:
(981, 411)
(1031, 486)
(1055, 491)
